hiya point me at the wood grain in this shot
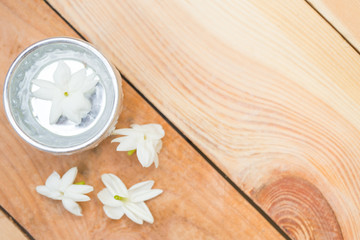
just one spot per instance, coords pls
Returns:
(267, 89)
(8, 230)
(343, 15)
(197, 202)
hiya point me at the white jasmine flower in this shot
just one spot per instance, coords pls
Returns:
(145, 139)
(117, 199)
(67, 93)
(63, 189)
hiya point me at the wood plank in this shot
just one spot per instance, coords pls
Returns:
(8, 229)
(343, 15)
(197, 202)
(266, 89)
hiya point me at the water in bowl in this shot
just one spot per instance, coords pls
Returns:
(32, 114)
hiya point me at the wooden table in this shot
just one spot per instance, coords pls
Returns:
(259, 99)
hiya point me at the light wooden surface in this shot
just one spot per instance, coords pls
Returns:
(197, 203)
(343, 15)
(8, 229)
(267, 89)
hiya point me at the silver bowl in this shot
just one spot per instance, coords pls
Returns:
(29, 116)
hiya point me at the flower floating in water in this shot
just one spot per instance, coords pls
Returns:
(67, 93)
(63, 189)
(117, 199)
(145, 139)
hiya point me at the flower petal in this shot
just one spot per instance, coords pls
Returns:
(76, 197)
(82, 189)
(62, 75)
(133, 217)
(72, 206)
(115, 185)
(45, 93)
(141, 196)
(124, 131)
(156, 160)
(108, 199)
(45, 191)
(152, 131)
(47, 90)
(145, 153)
(157, 145)
(139, 212)
(77, 80)
(127, 143)
(150, 218)
(56, 110)
(75, 107)
(113, 212)
(53, 181)
(142, 186)
(89, 84)
(44, 84)
(68, 178)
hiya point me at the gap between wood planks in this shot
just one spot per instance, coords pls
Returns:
(328, 22)
(17, 224)
(212, 164)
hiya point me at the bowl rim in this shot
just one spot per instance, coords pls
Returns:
(115, 78)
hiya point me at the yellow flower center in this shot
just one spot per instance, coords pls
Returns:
(123, 199)
(131, 152)
(66, 94)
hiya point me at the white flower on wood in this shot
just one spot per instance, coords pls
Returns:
(63, 189)
(118, 200)
(67, 93)
(145, 139)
